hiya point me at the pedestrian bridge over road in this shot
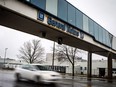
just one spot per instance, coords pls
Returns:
(58, 20)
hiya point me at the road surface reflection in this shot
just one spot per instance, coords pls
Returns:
(32, 84)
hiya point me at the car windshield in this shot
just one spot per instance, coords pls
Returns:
(40, 67)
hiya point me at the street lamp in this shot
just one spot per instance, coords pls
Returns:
(5, 56)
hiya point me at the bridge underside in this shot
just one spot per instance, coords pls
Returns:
(22, 23)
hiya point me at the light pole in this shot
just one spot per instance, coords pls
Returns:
(53, 56)
(5, 56)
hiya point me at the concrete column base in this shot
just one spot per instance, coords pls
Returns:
(109, 67)
(89, 66)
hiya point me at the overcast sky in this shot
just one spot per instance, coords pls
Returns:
(102, 11)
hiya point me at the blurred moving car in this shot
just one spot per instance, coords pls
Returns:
(37, 73)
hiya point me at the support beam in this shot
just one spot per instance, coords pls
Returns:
(109, 67)
(89, 65)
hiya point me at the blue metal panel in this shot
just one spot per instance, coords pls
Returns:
(71, 14)
(107, 38)
(39, 3)
(96, 31)
(110, 39)
(100, 34)
(62, 9)
(79, 19)
(91, 27)
(104, 36)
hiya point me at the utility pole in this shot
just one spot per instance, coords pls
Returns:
(5, 56)
(53, 55)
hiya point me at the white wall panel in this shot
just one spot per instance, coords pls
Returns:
(114, 43)
(85, 24)
(51, 6)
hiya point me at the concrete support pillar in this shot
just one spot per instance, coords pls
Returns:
(89, 65)
(109, 67)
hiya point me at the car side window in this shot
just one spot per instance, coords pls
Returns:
(28, 67)
(25, 67)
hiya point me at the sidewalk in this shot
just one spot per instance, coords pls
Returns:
(83, 78)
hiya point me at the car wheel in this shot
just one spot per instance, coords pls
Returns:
(37, 79)
(18, 77)
(52, 84)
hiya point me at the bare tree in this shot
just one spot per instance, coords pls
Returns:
(66, 52)
(31, 52)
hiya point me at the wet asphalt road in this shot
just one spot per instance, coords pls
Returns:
(7, 80)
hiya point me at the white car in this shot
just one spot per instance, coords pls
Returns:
(37, 73)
